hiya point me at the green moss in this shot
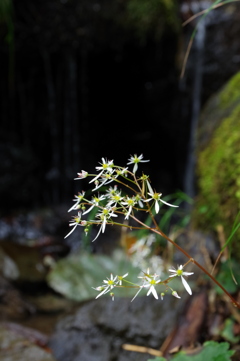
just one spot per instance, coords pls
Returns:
(231, 92)
(218, 201)
(152, 16)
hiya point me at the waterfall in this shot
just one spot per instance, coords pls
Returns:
(199, 43)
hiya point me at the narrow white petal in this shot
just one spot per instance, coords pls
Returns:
(97, 176)
(89, 209)
(75, 206)
(147, 200)
(97, 234)
(168, 204)
(149, 187)
(140, 288)
(71, 230)
(104, 225)
(135, 168)
(186, 285)
(154, 292)
(103, 292)
(99, 185)
(187, 273)
(128, 213)
(157, 207)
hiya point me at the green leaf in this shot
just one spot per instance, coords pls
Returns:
(212, 351)
(235, 227)
(75, 275)
(227, 332)
(225, 277)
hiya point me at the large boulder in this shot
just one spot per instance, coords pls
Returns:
(98, 329)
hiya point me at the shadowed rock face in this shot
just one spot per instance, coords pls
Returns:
(99, 328)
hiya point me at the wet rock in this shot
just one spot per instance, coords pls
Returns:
(98, 329)
(201, 246)
(12, 304)
(28, 261)
(18, 343)
(8, 267)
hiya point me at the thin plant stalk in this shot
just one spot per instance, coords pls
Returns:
(159, 232)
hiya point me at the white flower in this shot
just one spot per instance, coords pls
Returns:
(105, 179)
(77, 200)
(139, 199)
(122, 171)
(112, 191)
(95, 202)
(135, 160)
(150, 282)
(157, 198)
(106, 166)
(82, 175)
(104, 216)
(114, 199)
(129, 203)
(74, 223)
(120, 278)
(180, 273)
(110, 284)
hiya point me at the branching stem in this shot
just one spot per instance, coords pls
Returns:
(159, 232)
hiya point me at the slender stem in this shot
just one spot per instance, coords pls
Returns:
(125, 185)
(158, 231)
(206, 10)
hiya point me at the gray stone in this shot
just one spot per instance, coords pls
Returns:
(99, 328)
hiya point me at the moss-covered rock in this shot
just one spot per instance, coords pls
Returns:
(218, 168)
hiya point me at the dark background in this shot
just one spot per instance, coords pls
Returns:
(81, 80)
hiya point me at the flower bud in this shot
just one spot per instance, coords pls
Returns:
(174, 293)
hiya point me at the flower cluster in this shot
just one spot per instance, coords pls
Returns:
(113, 202)
(149, 282)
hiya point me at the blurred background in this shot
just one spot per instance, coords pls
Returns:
(81, 80)
(86, 79)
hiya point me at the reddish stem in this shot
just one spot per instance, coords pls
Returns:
(235, 303)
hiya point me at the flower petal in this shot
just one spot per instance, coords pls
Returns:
(97, 234)
(71, 230)
(103, 292)
(168, 204)
(140, 288)
(157, 207)
(154, 292)
(187, 273)
(186, 285)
